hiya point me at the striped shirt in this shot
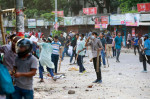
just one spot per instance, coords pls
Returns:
(56, 47)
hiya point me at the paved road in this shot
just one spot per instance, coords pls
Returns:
(120, 81)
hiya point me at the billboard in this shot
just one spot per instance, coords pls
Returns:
(59, 13)
(67, 20)
(31, 23)
(132, 19)
(143, 7)
(90, 11)
(117, 19)
(40, 22)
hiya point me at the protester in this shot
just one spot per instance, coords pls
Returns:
(113, 46)
(96, 46)
(146, 56)
(109, 45)
(80, 53)
(9, 55)
(66, 46)
(45, 58)
(103, 41)
(135, 41)
(118, 44)
(129, 38)
(73, 44)
(56, 52)
(62, 41)
(25, 68)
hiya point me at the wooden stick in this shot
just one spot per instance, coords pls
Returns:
(97, 69)
(107, 59)
(59, 64)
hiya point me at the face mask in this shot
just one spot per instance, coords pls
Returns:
(79, 38)
(92, 37)
(144, 39)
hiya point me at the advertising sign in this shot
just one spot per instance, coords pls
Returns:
(40, 22)
(67, 20)
(132, 19)
(143, 7)
(117, 19)
(90, 11)
(31, 23)
(59, 13)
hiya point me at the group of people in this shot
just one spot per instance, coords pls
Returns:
(22, 63)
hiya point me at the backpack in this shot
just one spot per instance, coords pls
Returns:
(6, 85)
(109, 40)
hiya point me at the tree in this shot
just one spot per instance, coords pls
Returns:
(126, 5)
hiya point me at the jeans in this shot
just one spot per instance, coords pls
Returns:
(98, 74)
(144, 62)
(73, 54)
(118, 54)
(103, 57)
(80, 63)
(22, 93)
(65, 51)
(55, 59)
(136, 47)
(114, 51)
(41, 70)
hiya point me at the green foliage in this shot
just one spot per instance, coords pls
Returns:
(56, 33)
(51, 17)
(14, 22)
(126, 5)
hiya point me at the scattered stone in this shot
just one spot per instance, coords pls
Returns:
(90, 86)
(71, 92)
(86, 90)
(120, 73)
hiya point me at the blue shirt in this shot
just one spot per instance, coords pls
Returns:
(135, 39)
(56, 46)
(118, 41)
(147, 46)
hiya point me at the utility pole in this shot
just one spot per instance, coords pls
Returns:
(2, 29)
(56, 19)
(19, 18)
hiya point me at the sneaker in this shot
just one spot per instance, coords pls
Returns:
(144, 71)
(80, 73)
(95, 81)
(84, 71)
(104, 66)
(54, 78)
(99, 81)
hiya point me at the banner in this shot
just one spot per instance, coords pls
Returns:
(40, 22)
(117, 19)
(143, 7)
(31, 23)
(145, 17)
(90, 11)
(132, 19)
(133, 31)
(59, 13)
(101, 26)
(67, 20)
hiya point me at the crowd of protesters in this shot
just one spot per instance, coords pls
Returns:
(22, 56)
